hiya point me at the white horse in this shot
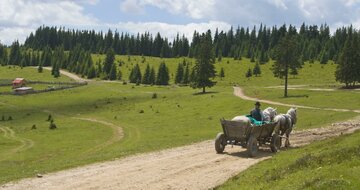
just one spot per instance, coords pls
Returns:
(285, 124)
(269, 114)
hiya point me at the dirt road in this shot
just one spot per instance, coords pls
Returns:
(70, 75)
(194, 166)
(240, 93)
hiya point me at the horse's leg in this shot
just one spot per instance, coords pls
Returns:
(287, 142)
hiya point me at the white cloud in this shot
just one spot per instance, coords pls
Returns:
(8, 35)
(131, 6)
(196, 9)
(279, 4)
(19, 17)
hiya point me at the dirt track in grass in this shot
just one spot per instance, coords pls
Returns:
(195, 166)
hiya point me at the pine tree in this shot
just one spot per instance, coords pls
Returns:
(186, 77)
(204, 68)
(287, 56)
(152, 78)
(348, 68)
(109, 60)
(135, 74)
(162, 75)
(248, 73)
(40, 68)
(15, 55)
(91, 72)
(112, 74)
(179, 73)
(222, 73)
(257, 70)
(146, 77)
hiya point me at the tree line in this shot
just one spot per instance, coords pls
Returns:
(72, 49)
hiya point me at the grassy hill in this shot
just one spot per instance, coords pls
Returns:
(329, 164)
(178, 116)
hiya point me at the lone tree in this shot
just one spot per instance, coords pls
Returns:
(286, 57)
(204, 68)
(248, 73)
(348, 68)
(257, 70)
(222, 73)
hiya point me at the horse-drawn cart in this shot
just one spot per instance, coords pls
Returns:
(247, 136)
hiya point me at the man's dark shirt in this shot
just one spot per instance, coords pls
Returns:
(256, 114)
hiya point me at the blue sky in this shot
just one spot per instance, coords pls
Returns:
(20, 17)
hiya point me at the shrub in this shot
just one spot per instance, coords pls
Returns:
(141, 111)
(10, 118)
(33, 127)
(154, 96)
(49, 117)
(52, 125)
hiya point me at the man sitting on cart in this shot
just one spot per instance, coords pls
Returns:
(256, 113)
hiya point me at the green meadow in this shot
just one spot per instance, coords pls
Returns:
(176, 117)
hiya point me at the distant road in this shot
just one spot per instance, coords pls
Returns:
(239, 92)
(70, 75)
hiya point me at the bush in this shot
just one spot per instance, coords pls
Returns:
(52, 125)
(154, 96)
(10, 118)
(49, 117)
(33, 127)
(141, 111)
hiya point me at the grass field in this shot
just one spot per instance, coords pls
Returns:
(329, 164)
(178, 115)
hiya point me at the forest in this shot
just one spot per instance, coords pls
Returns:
(72, 49)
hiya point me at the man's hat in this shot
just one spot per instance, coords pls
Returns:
(257, 104)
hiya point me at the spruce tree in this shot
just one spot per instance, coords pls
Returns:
(204, 68)
(287, 56)
(135, 75)
(91, 72)
(222, 73)
(248, 73)
(109, 60)
(162, 75)
(257, 70)
(179, 73)
(152, 78)
(348, 68)
(40, 68)
(186, 77)
(146, 77)
(15, 55)
(112, 74)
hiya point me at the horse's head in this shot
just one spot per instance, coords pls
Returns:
(292, 112)
(270, 113)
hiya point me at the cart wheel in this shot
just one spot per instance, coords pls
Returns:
(252, 146)
(220, 143)
(275, 143)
